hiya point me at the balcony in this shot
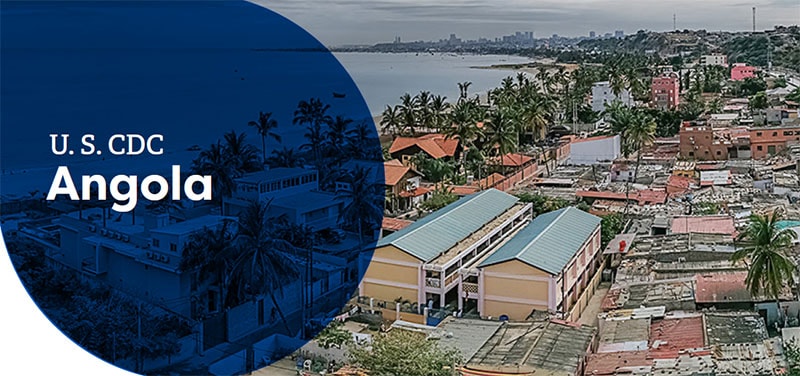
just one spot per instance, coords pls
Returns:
(433, 282)
(470, 289)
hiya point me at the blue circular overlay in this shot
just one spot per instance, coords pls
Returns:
(187, 187)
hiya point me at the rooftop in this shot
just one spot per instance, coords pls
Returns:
(395, 224)
(433, 235)
(435, 145)
(624, 335)
(550, 241)
(192, 225)
(726, 328)
(540, 347)
(274, 174)
(706, 224)
(671, 337)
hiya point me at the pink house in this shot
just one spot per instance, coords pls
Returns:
(740, 71)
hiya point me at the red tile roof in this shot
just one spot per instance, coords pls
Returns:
(463, 190)
(515, 160)
(395, 224)
(669, 337)
(616, 363)
(704, 224)
(678, 184)
(419, 191)
(436, 145)
(393, 173)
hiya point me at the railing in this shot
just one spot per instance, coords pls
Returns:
(468, 287)
(451, 278)
(433, 282)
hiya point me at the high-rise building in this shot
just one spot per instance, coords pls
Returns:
(619, 34)
(592, 34)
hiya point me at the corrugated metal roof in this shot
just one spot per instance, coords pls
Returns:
(549, 241)
(433, 235)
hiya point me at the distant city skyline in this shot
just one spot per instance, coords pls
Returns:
(342, 22)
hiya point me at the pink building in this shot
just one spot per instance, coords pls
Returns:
(665, 90)
(740, 71)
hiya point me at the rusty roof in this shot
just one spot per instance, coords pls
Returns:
(617, 363)
(395, 224)
(704, 224)
(671, 337)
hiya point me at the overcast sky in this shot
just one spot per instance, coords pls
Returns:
(337, 22)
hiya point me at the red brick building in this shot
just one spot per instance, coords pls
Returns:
(665, 90)
(766, 141)
(699, 142)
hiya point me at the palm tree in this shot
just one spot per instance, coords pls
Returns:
(640, 133)
(358, 140)
(464, 118)
(463, 89)
(217, 163)
(313, 113)
(337, 133)
(285, 157)
(262, 265)
(439, 107)
(363, 202)
(764, 248)
(242, 155)
(503, 137)
(409, 114)
(390, 120)
(264, 125)
(206, 255)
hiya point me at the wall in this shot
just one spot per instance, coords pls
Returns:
(392, 273)
(762, 138)
(697, 143)
(515, 289)
(591, 152)
(510, 181)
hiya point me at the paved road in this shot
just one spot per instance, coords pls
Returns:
(589, 315)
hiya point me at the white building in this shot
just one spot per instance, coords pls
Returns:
(603, 95)
(715, 59)
(591, 150)
(293, 192)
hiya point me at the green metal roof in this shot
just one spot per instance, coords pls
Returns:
(433, 235)
(549, 241)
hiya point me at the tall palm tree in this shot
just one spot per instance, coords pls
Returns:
(313, 113)
(285, 157)
(242, 155)
(640, 133)
(390, 120)
(363, 202)
(764, 248)
(503, 136)
(265, 126)
(217, 163)
(464, 118)
(337, 134)
(207, 256)
(359, 142)
(409, 114)
(262, 265)
(439, 107)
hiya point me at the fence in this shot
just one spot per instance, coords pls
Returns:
(530, 169)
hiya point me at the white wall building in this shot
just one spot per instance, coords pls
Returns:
(715, 59)
(587, 151)
(602, 95)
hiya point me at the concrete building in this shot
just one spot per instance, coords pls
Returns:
(700, 142)
(767, 141)
(740, 71)
(591, 150)
(422, 262)
(603, 95)
(550, 265)
(488, 258)
(665, 91)
(714, 59)
(293, 192)
(140, 259)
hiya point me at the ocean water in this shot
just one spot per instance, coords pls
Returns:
(384, 77)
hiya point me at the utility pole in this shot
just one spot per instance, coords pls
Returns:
(754, 19)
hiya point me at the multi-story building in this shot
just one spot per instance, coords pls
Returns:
(767, 141)
(485, 254)
(740, 71)
(603, 95)
(700, 142)
(141, 259)
(714, 59)
(293, 192)
(592, 150)
(665, 91)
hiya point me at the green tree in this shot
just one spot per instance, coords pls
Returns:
(265, 126)
(610, 226)
(215, 162)
(404, 353)
(759, 101)
(334, 335)
(503, 136)
(764, 247)
(363, 204)
(440, 197)
(240, 153)
(284, 157)
(390, 120)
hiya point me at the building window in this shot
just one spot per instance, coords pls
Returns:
(173, 247)
(771, 149)
(691, 154)
(719, 152)
(758, 134)
(759, 148)
(156, 243)
(774, 134)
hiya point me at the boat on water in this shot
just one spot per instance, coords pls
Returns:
(338, 95)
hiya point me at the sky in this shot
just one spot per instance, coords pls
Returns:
(340, 22)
